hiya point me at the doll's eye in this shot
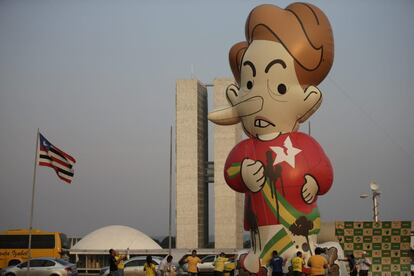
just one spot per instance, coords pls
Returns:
(249, 85)
(281, 88)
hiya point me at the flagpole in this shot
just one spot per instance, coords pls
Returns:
(32, 206)
(170, 199)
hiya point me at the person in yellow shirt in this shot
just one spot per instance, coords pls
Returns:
(149, 267)
(192, 262)
(297, 264)
(219, 264)
(317, 263)
(120, 263)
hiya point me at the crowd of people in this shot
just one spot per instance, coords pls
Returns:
(116, 265)
(317, 264)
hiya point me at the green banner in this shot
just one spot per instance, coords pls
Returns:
(386, 243)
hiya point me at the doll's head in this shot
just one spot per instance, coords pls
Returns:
(287, 53)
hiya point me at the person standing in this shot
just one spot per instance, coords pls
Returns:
(351, 263)
(219, 264)
(120, 263)
(364, 264)
(166, 267)
(192, 262)
(149, 267)
(325, 255)
(297, 264)
(276, 264)
(113, 263)
(317, 263)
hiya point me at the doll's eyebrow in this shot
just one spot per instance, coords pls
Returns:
(247, 62)
(273, 62)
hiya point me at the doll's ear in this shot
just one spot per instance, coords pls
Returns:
(312, 99)
(232, 93)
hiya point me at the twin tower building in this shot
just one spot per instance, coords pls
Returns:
(196, 173)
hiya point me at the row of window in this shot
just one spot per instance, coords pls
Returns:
(22, 241)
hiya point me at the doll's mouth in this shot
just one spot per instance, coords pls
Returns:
(262, 123)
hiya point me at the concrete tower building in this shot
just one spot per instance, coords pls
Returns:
(191, 160)
(192, 170)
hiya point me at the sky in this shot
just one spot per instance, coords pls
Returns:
(98, 79)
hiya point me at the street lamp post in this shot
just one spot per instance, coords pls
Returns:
(375, 196)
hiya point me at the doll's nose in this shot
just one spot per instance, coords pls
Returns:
(232, 114)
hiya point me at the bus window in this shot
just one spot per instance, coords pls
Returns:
(14, 241)
(43, 241)
(22, 241)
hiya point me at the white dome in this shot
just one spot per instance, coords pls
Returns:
(116, 237)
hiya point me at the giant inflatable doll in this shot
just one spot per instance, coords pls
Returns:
(281, 171)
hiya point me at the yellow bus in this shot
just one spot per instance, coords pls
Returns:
(14, 245)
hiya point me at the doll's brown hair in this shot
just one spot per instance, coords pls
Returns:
(304, 31)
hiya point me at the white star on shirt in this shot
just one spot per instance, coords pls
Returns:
(286, 153)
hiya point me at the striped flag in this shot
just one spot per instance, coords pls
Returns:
(51, 156)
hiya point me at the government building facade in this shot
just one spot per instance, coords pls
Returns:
(195, 173)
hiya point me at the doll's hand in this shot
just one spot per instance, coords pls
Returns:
(309, 189)
(252, 173)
